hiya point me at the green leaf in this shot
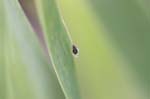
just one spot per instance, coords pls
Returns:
(103, 70)
(129, 27)
(128, 24)
(59, 46)
(24, 71)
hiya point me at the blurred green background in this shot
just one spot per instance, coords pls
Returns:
(112, 36)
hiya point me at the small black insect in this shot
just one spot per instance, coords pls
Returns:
(75, 50)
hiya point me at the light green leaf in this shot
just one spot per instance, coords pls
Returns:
(24, 71)
(59, 46)
(128, 23)
(104, 71)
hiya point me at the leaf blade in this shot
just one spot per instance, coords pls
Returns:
(27, 73)
(59, 46)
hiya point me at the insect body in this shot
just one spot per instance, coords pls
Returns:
(75, 50)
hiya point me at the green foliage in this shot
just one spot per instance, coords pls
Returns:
(113, 41)
(59, 46)
(25, 73)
